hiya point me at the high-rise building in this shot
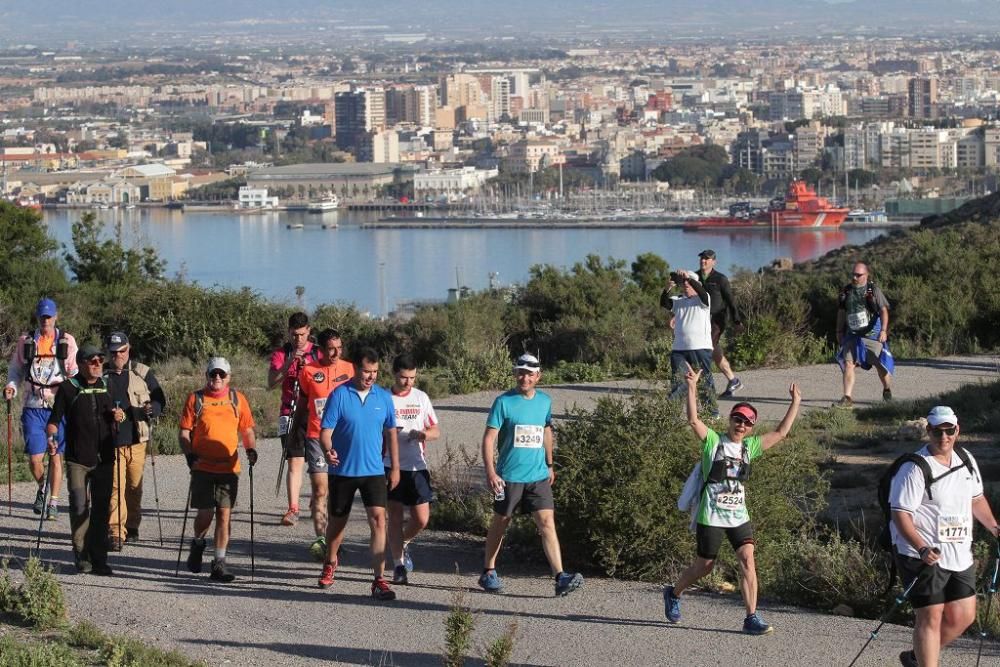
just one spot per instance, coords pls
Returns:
(923, 97)
(410, 104)
(500, 97)
(357, 112)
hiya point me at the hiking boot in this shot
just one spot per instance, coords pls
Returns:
(844, 402)
(318, 548)
(131, 535)
(39, 503)
(326, 578)
(490, 582)
(52, 512)
(291, 517)
(732, 387)
(908, 659)
(399, 575)
(671, 605)
(381, 590)
(194, 558)
(407, 561)
(755, 625)
(83, 566)
(567, 582)
(115, 544)
(219, 571)
(103, 570)
(887, 395)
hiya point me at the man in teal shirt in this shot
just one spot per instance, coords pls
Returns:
(522, 473)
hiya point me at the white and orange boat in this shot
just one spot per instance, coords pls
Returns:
(801, 207)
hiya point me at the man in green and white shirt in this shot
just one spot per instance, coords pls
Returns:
(722, 510)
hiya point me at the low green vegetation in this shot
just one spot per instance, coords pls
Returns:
(458, 628)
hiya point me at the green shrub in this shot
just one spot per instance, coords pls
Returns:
(458, 627)
(85, 634)
(128, 652)
(462, 503)
(36, 654)
(38, 600)
(977, 405)
(499, 651)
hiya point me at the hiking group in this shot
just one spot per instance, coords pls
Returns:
(95, 407)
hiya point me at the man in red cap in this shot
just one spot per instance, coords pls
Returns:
(722, 510)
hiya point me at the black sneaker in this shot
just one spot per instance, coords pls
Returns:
(887, 395)
(908, 659)
(131, 535)
(399, 575)
(103, 570)
(219, 572)
(194, 558)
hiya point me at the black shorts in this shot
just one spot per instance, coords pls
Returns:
(210, 490)
(414, 488)
(373, 489)
(935, 586)
(718, 328)
(294, 445)
(531, 497)
(709, 539)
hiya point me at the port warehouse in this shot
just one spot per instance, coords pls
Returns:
(349, 179)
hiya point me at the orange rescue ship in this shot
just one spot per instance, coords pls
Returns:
(801, 208)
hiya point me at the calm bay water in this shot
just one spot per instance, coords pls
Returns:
(378, 268)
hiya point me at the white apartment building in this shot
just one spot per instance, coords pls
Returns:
(529, 156)
(451, 183)
(255, 198)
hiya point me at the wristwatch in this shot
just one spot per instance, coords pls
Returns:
(923, 551)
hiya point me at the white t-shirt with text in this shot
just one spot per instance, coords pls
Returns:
(414, 412)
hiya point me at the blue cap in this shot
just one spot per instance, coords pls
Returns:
(45, 308)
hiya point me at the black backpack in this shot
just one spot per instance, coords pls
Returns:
(885, 484)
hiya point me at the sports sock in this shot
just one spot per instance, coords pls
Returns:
(220, 553)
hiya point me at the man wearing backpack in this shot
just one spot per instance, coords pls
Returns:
(722, 510)
(134, 389)
(214, 422)
(863, 333)
(934, 497)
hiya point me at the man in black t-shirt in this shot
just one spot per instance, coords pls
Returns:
(90, 417)
(723, 309)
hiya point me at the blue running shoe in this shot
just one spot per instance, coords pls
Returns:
(755, 625)
(407, 561)
(490, 582)
(671, 605)
(567, 582)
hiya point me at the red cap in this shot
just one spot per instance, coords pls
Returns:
(745, 411)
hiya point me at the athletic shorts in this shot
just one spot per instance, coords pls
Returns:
(414, 488)
(873, 350)
(531, 497)
(718, 327)
(315, 458)
(210, 490)
(935, 586)
(374, 492)
(709, 539)
(36, 440)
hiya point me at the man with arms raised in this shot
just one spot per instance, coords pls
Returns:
(523, 473)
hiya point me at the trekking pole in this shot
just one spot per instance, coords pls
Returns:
(156, 489)
(119, 482)
(10, 463)
(180, 547)
(991, 592)
(251, 525)
(284, 440)
(45, 500)
(899, 601)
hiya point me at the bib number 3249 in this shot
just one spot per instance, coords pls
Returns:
(528, 436)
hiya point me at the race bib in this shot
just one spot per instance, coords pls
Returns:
(857, 321)
(320, 405)
(954, 528)
(528, 436)
(730, 500)
(283, 423)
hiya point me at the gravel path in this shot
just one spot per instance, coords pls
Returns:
(282, 618)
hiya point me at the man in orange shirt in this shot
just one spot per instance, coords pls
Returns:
(215, 420)
(316, 382)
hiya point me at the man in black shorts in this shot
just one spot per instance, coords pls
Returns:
(359, 420)
(932, 536)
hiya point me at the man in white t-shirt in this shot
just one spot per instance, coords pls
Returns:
(416, 425)
(692, 325)
(932, 534)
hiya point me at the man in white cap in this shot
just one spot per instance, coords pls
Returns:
(523, 472)
(215, 420)
(934, 499)
(692, 325)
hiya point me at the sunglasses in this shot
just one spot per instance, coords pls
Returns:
(740, 420)
(859, 275)
(943, 430)
(95, 360)
(217, 374)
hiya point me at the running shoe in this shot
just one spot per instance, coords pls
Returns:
(52, 513)
(381, 590)
(39, 503)
(844, 402)
(671, 605)
(732, 387)
(318, 548)
(399, 575)
(567, 582)
(102, 570)
(908, 659)
(131, 535)
(887, 395)
(291, 517)
(194, 558)
(490, 582)
(755, 625)
(326, 578)
(407, 561)
(219, 571)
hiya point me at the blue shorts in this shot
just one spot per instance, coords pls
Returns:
(33, 422)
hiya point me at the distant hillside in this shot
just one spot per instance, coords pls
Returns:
(983, 210)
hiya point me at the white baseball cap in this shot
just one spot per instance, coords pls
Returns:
(942, 414)
(218, 363)
(528, 362)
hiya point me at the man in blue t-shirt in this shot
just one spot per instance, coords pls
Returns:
(359, 419)
(523, 473)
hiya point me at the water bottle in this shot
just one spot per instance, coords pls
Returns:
(500, 495)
